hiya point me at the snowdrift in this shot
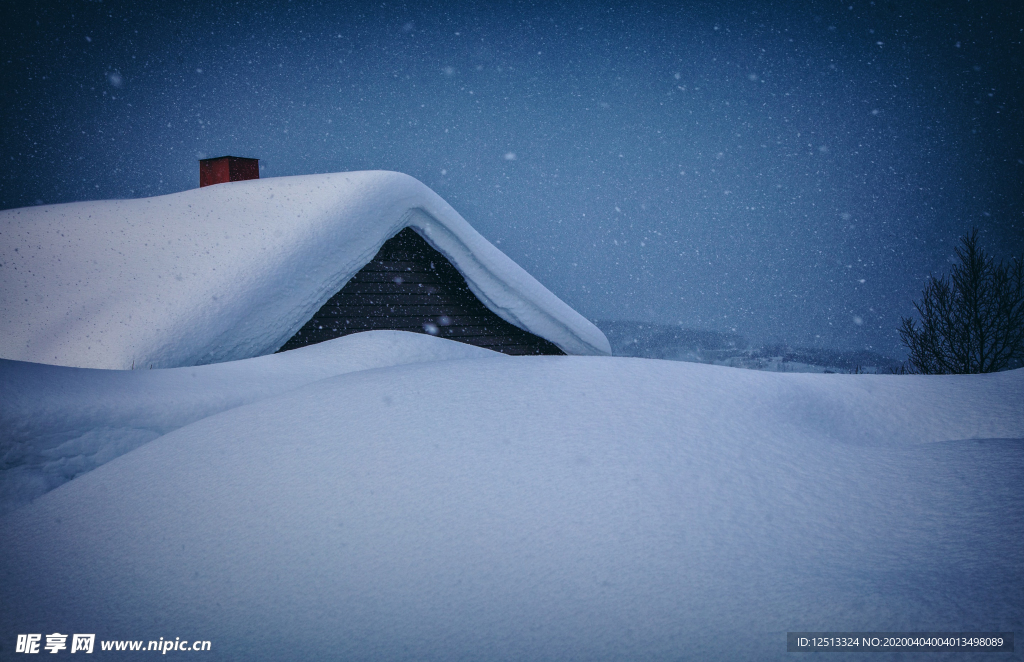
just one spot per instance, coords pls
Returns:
(541, 508)
(57, 422)
(232, 271)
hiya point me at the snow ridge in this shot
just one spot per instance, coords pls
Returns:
(57, 423)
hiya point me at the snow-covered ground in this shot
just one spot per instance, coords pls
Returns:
(434, 501)
(677, 343)
(58, 422)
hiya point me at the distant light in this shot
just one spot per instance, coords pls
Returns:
(510, 156)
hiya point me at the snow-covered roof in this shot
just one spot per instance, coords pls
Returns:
(233, 271)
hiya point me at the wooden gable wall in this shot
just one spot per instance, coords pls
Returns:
(409, 286)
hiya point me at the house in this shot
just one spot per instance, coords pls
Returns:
(410, 286)
(222, 273)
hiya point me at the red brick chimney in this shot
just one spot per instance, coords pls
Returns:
(227, 169)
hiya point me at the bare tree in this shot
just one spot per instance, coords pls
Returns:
(972, 321)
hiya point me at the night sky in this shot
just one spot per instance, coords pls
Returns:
(790, 171)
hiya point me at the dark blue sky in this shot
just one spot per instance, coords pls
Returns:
(792, 171)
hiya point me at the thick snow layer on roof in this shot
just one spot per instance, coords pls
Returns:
(58, 422)
(232, 271)
(535, 508)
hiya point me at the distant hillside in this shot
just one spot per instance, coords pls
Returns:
(675, 343)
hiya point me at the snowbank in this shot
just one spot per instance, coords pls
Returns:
(539, 508)
(57, 423)
(232, 271)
